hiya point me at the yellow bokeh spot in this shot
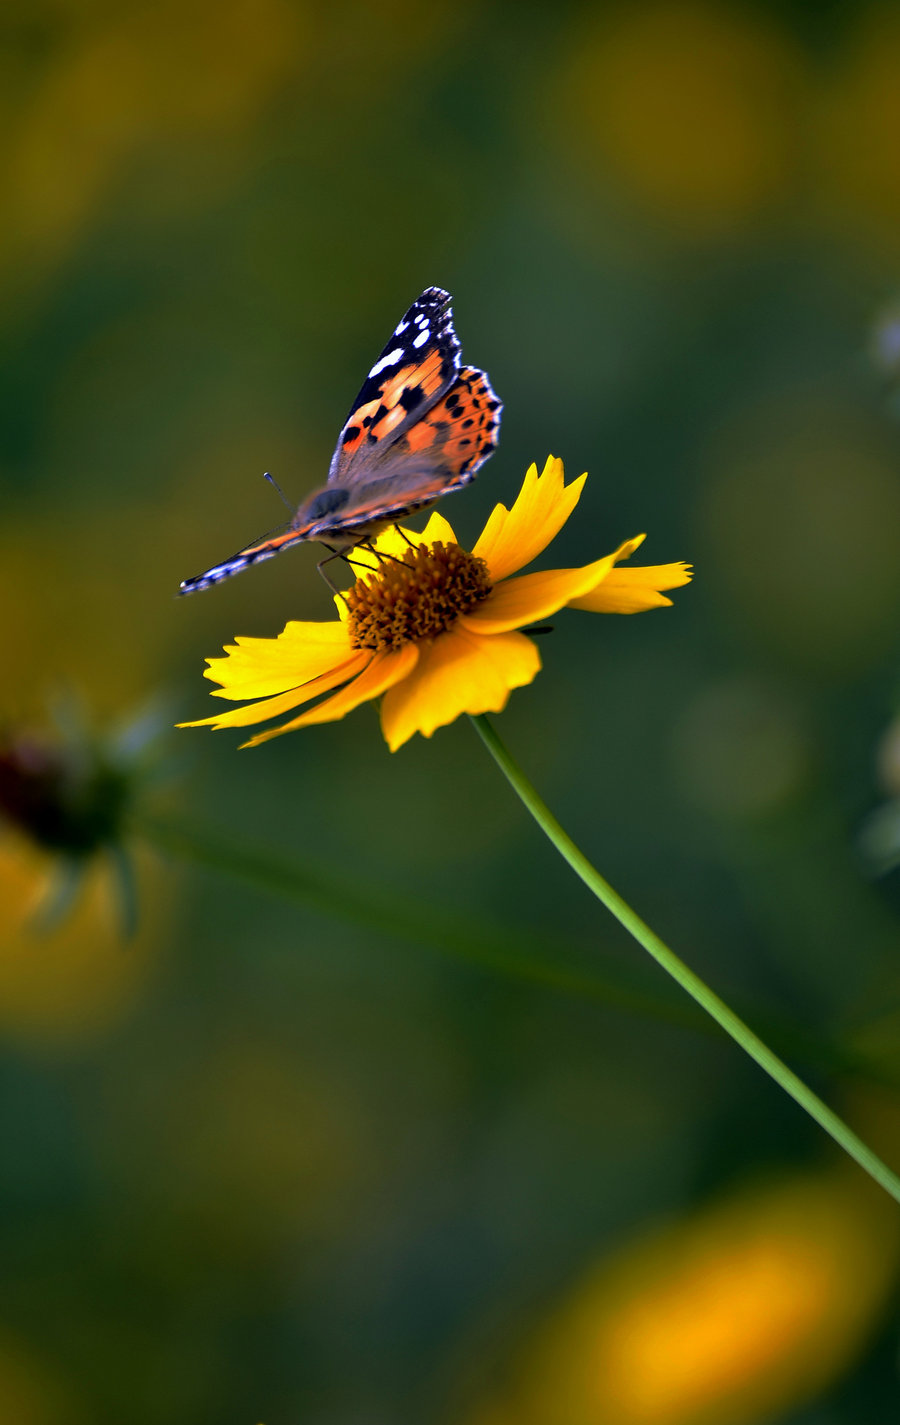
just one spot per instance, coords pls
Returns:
(674, 1348)
(174, 72)
(727, 1318)
(859, 124)
(75, 980)
(31, 1390)
(689, 105)
(802, 521)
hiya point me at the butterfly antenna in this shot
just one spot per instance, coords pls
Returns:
(272, 481)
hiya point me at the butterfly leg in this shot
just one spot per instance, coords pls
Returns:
(413, 543)
(332, 555)
(381, 553)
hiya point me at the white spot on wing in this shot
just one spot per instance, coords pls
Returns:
(423, 336)
(390, 360)
(398, 331)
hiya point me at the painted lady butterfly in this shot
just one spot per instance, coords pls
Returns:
(421, 426)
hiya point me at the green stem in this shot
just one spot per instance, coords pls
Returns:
(680, 972)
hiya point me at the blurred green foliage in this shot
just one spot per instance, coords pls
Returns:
(273, 1166)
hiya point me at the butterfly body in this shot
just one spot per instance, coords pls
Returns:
(421, 426)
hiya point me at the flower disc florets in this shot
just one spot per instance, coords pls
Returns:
(417, 598)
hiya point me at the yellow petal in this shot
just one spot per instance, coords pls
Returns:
(460, 672)
(627, 547)
(384, 670)
(436, 529)
(361, 560)
(631, 591)
(283, 702)
(532, 597)
(512, 538)
(398, 538)
(258, 667)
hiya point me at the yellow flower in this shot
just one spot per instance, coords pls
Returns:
(736, 1315)
(67, 798)
(67, 878)
(65, 975)
(432, 629)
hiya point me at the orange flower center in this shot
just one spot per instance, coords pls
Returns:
(406, 601)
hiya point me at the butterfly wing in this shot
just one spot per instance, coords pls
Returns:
(418, 365)
(458, 433)
(441, 452)
(253, 554)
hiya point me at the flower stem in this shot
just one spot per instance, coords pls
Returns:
(685, 977)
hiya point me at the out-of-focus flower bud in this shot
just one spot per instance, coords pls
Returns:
(70, 794)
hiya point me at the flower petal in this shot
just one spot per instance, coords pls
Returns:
(436, 529)
(382, 672)
(631, 591)
(533, 597)
(360, 560)
(283, 702)
(257, 667)
(512, 538)
(461, 672)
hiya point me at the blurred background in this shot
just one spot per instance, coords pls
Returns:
(263, 1163)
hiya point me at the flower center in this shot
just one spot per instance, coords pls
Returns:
(418, 598)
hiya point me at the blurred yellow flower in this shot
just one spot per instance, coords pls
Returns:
(115, 82)
(67, 887)
(856, 127)
(34, 1387)
(71, 981)
(692, 106)
(729, 1318)
(432, 629)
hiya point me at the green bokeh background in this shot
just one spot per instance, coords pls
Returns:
(304, 1171)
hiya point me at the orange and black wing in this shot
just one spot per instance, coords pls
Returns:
(441, 452)
(253, 554)
(458, 433)
(419, 428)
(418, 365)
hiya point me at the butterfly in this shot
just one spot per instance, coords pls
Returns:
(421, 426)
